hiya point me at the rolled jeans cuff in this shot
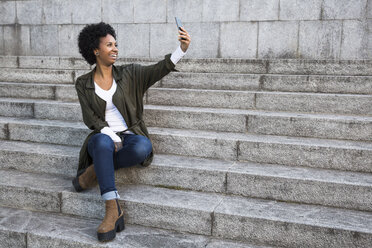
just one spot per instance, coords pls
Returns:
(110, 195)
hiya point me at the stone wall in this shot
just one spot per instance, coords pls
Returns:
(308, 29)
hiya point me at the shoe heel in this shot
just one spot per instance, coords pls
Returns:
(75, 183)
(120, 224)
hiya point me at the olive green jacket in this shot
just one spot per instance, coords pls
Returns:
(132, 80)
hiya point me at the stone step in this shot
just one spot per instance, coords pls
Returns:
(227, 81)
(25, 228)
(37, 157)
(216, 215)
(350, 104)
(53, 76)
(42, 109)
(70, 133)
(296, 151)
(251, 121)
(260, 122)
(269, 82)
(285, 66)
(43, 62)
(64, 92)
(277, 66)
(317, 83)
(216, 81)
(276, 182)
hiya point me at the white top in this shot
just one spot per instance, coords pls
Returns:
(113, 117)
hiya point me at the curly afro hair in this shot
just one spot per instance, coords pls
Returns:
(89, 39)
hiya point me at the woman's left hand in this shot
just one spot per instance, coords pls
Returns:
(185, 42)
(118, 146)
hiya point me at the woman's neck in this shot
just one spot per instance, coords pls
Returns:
(103, 71)
(103, 76)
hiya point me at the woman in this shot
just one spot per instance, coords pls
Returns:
(111, 99)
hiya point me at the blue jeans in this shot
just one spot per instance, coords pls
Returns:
(136, 148)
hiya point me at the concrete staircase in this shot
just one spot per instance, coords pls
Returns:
(249, 153)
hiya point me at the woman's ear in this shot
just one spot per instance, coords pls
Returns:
(95, 51)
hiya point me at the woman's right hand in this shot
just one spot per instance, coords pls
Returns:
(184, 38)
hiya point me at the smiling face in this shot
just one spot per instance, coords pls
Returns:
(107, 51)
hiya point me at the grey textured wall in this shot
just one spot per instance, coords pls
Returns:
(309, 29)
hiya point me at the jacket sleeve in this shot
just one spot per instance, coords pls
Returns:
(90, 118)
(147, 76)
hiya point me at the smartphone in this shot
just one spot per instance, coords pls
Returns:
(179, 24)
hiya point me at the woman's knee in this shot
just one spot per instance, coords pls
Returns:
(101, 142)
(143, 147)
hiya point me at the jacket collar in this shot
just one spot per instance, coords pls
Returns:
(89, 84)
